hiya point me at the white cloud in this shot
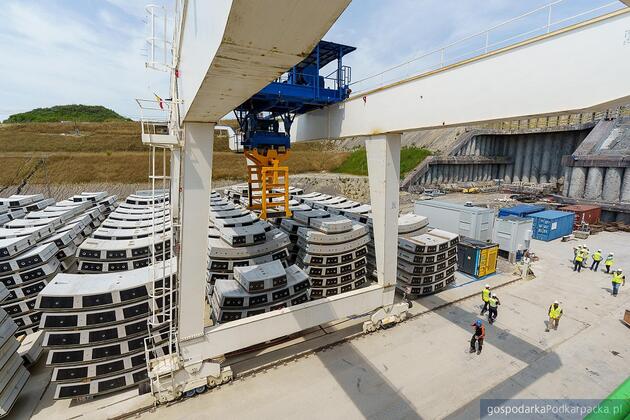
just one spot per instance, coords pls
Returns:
(59, 56)
(64, 51)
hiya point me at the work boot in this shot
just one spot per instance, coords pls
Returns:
(479, 351)
(472, 350)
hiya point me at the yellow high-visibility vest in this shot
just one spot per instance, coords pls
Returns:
(597, 256)
(609, 261)
(485, 295)
(579, 257)
(617, 278)
(492, 302)
(555, 312)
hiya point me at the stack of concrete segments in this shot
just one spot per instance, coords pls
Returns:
(35, 248)
(237, 194)
(13, 374)
(332, 251)
(409, 225)
(238, 238)
(136, 231)
(97, 328)
(258, 289)
(16, 206)
(426, 262)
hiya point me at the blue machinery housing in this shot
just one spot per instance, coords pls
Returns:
(300, 90)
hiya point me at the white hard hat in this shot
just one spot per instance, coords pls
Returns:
(620, 270)
(612, 253)
(555, 302)
(494, 295)
(599, 250)
(487, 285)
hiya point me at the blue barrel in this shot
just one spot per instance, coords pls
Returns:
(551, 224)
(522, 210)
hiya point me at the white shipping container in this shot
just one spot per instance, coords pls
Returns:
(512, 233)
(472, 222)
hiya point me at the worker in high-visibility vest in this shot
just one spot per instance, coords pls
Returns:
(577, 263)
(618, 279)
(478, 336)
(597, 258)
(585, 254)
(609, 261)
(485, 296)
(493, 304)
(555, 312)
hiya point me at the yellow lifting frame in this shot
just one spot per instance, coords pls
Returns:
(267, 180)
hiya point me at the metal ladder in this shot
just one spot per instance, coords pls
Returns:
(162, 324)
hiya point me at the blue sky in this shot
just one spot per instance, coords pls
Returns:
(92, 51)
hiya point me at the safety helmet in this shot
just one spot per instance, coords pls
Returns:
(487, 286)
(620, 270)
(555, 302)
(599, 250)
(612, 253)
(478, 323)
(494, 295)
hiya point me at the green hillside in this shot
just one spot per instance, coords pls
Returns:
(356, 163)
(79, 113)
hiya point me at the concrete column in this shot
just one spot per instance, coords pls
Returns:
(429, 175)
(545, 164)
(195, 208)
(469, 147)
(611, 190)
(487, 173)
(537, 156)
(439, 173)
(383, 158)
(461, 169)
(519, 156)
(527, 160)
(469, 172)
(453, 173)
(578, 182)
(501, 172)
(566, 180)
(511, 152)
(485, 144)
(594, 183)
(625, 186)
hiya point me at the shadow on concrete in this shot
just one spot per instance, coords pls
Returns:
(547, 361)
(365, 385)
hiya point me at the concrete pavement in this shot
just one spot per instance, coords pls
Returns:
(421, 369)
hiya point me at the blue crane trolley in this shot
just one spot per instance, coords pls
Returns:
(265, 120)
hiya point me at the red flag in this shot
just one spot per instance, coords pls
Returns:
(161, 102)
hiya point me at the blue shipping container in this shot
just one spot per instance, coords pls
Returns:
(522, 210)
(552, 224)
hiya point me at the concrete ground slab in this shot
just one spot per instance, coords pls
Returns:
(422, 368)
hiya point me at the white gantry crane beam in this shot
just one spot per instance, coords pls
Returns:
(575, 69)
(229, 50)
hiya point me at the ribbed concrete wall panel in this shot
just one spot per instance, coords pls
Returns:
(611, 190)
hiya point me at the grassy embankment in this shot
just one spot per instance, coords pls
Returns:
(356, 163)
(112, 152)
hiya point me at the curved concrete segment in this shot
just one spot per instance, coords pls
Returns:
(535, 77)
(226, 56)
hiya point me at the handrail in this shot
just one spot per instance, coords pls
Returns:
(440, 54)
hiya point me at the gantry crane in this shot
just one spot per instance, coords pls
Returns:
(266, 143)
